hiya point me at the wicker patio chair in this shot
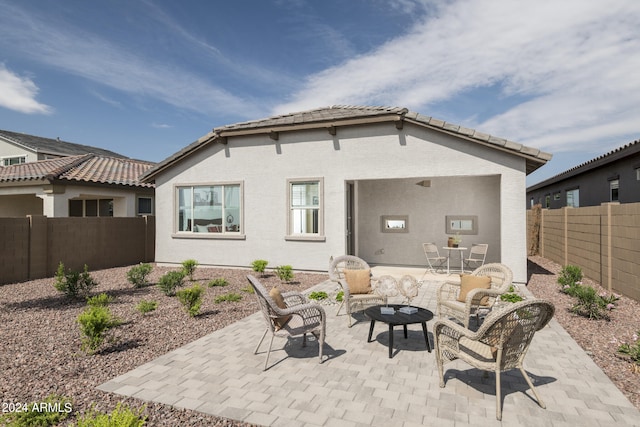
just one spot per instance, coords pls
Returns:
(294, 316)
(499, 345)
(353, 302)
(451, 302)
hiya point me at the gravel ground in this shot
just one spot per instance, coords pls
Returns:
(41, 341)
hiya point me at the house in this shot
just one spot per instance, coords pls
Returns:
(376, 182)
(17, 148)
(81, 185)
(612, 177)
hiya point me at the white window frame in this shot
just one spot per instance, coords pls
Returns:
(224, 232)
(290, 233)
(6, 161)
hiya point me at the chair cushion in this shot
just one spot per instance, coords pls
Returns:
(359, 281)
(469, 282)
(276, 295)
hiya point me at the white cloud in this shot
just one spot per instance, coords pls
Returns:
(19, 93)
(568, 69)
(161, 125)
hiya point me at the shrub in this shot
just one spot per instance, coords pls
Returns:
(589, 304)
(259, 265)
(170, 281)
(220, 281)
(122, 416)
(48, 412)
(101, 300)
(340, 296)
(319, 295)
(248, 289)
(189, 267)
(145, 307)
(95, 322)
(284, 272)
(137, 275)
(74, 284)
(191, 299)
(631, 350)
(231, 297)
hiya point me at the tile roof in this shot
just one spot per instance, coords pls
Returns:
(84, 168)
(346, 115)
(53, 146)
(613, 155)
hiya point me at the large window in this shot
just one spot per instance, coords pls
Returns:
(305, 213)
(18, 160)
(215, 209)
(573, 198)
(91, 207)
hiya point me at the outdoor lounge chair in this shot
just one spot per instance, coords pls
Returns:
(499, 345)
(352, 301)
(288, 315)
(473, 293)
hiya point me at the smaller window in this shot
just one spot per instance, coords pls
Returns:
(547, 201)
(18, 160)
(637, 174)
(556, 196)
(145, 206)
(613, 187)
(305, 213)
(573, 198)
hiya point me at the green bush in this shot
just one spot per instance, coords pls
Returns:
(189, 267)
(49, 412)
(122, 416)
(191, 299)
(589, 304)
(259, 265)
(511, 297)
(220, 281)
(631, 350)
(145, 307)
(319, 295)
(95, 322)
(340, 296)
(170, 281)
(101, 300)
(231, 297)
(74, 284)
(284, 272)
(137, 275)
(248, 289)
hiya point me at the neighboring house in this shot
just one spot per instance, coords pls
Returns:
(371, 181)
(612, 177)
(83, 185)
(17, 148)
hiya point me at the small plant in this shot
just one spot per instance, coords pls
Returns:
(170, 281)
(589, 304)
(137, 275)
(220, 281)
(248, 289)
(284, 272)
(259, 266)
(50, 411)
(319, 295)
(570, 275)
(145, 307)
(631, 350)
(122, 416)
(95, 322)
(191, 299)
(74, 284)
(101, 300)
(189, 268)
(511, 297)
(231, 297)
(340, 296)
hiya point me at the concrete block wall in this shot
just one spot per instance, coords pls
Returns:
(32, 247)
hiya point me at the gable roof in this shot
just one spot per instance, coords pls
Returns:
(336, 116)
(610, 157)
(87, 168)
(55, 147)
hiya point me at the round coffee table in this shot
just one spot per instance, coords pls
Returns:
(422, 316)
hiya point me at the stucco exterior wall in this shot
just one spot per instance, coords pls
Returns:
(374, 152)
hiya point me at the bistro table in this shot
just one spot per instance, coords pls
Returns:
(461, 251)
(422, 316)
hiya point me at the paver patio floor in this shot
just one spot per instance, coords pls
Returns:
(358, 385)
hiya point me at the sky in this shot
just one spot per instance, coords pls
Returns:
(146, 78)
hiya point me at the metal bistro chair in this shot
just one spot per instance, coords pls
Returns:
(499, 345)
(477, 256)
(294, 316)
(435, 262)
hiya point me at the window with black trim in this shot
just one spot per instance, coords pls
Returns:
(614, 185)
(573, 198)
(305, 208)
(213, 209)
(145, 206)
(90, 207)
